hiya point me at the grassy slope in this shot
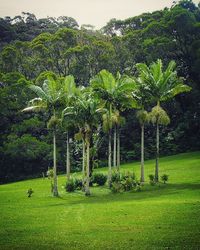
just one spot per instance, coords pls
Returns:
(165, 217)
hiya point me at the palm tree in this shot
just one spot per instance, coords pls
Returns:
(142, 116)
(86, 113)
(161, 86)
(158, 116)
(49, 96)
(116, 94)
(109, 119)
(69, 95)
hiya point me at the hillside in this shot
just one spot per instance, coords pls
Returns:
(158, 217)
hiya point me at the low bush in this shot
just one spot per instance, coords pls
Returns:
(30, 192)
(128, 184)
(115, 177)
(138, 187)
(99, 179)
(78, 184)
(116, 187)
(164, 178)
(151, 177)
(70, 185)
(127, 175)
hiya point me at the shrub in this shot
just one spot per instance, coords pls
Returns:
(78, 184)
(115, 177)
(30, 192)
(152, 180)
(151, 177)
(138, 187)
(127, 175)
(99, 179)
(70, 185)
(116, 187)
(152, 183)
(164, 178)
(128, 184)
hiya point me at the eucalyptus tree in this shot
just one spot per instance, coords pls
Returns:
(115, 92)
(86, 114)
(48, 99)
(161, 86)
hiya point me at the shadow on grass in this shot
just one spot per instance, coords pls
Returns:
(148, 192)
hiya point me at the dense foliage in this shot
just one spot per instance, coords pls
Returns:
(32, 50)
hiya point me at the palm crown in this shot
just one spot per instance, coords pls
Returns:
(161, 85)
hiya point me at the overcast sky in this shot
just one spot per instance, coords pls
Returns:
(94, 12)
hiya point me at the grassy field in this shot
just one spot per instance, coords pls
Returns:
(165, 217)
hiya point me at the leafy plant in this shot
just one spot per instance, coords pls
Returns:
(78, 184)
(115, 177)
(99, 179)
(164, 178)
(128, 184)
(127, 175)
(70, 185)
(30, 192)
(116, 187)
(152, 179)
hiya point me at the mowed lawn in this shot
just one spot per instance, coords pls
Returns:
(165, 217)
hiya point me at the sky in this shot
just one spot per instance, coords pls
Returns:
(94, 12)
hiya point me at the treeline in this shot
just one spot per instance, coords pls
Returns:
(33, 49)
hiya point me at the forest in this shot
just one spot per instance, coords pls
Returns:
(33, 51)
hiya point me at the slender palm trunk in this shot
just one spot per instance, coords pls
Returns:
(55, 184)
(87, 186)
(83, 164)
(142, 153)
(114, 147)
(109, 159)
(68, 158)
(157, 153)
(118, 150)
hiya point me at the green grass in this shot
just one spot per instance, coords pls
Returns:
(165, 217)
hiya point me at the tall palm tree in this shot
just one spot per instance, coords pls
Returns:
(49, 96)
(161, 86)
(69, 95)
(109, 119)
(158, 116)
(142, 116)
(86, 114)
(116, 94)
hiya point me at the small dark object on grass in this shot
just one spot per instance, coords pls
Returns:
(30, 192)
(164, 178)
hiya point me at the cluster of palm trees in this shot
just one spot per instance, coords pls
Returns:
(101, 105)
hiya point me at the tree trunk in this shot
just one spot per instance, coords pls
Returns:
(109, 159)
(83, 165)
(68, 159)
(142, 153)
(118, 149)
(55, 184)
(114, 147)
(157, 153)
(87, 186)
